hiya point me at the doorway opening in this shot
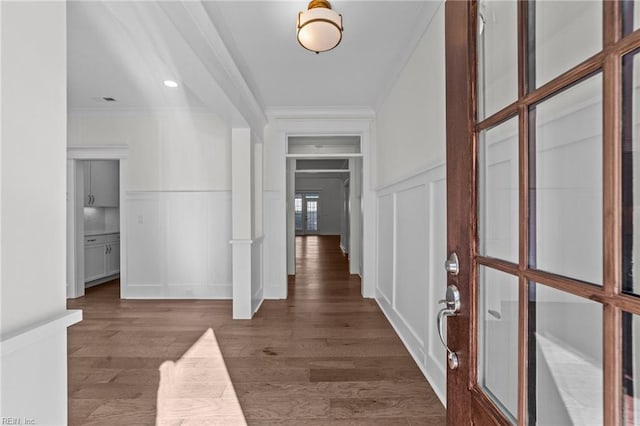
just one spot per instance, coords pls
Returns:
(101, 222)
(324, 176)
(96, 243)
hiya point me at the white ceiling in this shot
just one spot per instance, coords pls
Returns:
(377, 38)
(126, 49)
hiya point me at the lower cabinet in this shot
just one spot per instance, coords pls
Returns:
(113, 258)
(95, 266)
(101, 256)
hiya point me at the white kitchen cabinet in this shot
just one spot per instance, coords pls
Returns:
(95, 265)
(101, 183)
(101, 256)
(113, 258)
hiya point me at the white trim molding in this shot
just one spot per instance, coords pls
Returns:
(327, 122)
(97, 152)
(75, 220)
(33, 370)
(27, 336)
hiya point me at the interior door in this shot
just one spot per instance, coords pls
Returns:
(543, 107)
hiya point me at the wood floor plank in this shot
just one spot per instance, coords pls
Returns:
(324, 356)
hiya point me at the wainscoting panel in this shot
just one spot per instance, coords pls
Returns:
(178, 245)
(385, 247)
(186, 251)
(274, 246)
(145, 226)
(411, 252)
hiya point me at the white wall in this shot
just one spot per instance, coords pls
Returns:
(168, 151)
(177, 195)
(33, 162)
(33, 79)
(410, 120)
(331, 200)
(274, 222)
(411, 202)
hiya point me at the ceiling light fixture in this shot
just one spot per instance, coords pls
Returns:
(170, 83)
(319, 28)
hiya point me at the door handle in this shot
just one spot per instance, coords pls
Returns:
(452, 302)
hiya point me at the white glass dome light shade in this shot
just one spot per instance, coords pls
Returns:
(319, 29)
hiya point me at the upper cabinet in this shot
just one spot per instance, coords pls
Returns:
(101, 183)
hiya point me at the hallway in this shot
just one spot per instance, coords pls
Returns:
(324, 356)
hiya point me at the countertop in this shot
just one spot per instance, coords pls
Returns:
(93, 234)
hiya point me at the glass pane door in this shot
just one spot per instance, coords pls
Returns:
(542, 126)
(306, 208)
(554, 297)
(312, 216)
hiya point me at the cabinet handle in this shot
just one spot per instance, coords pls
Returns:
(93, 200)
(89, 199)
(109, 248)
(91, 240)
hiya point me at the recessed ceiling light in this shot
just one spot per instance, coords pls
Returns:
(170, 83)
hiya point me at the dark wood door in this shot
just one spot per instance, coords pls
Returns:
(543, 175)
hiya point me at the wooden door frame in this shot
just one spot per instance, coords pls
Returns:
(461, 201)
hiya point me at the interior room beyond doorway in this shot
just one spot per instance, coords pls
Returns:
(324, 181)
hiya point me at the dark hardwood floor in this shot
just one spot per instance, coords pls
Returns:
(325, 356)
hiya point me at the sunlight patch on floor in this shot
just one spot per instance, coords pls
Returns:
(197, 389)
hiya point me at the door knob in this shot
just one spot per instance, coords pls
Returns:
(452, 307)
